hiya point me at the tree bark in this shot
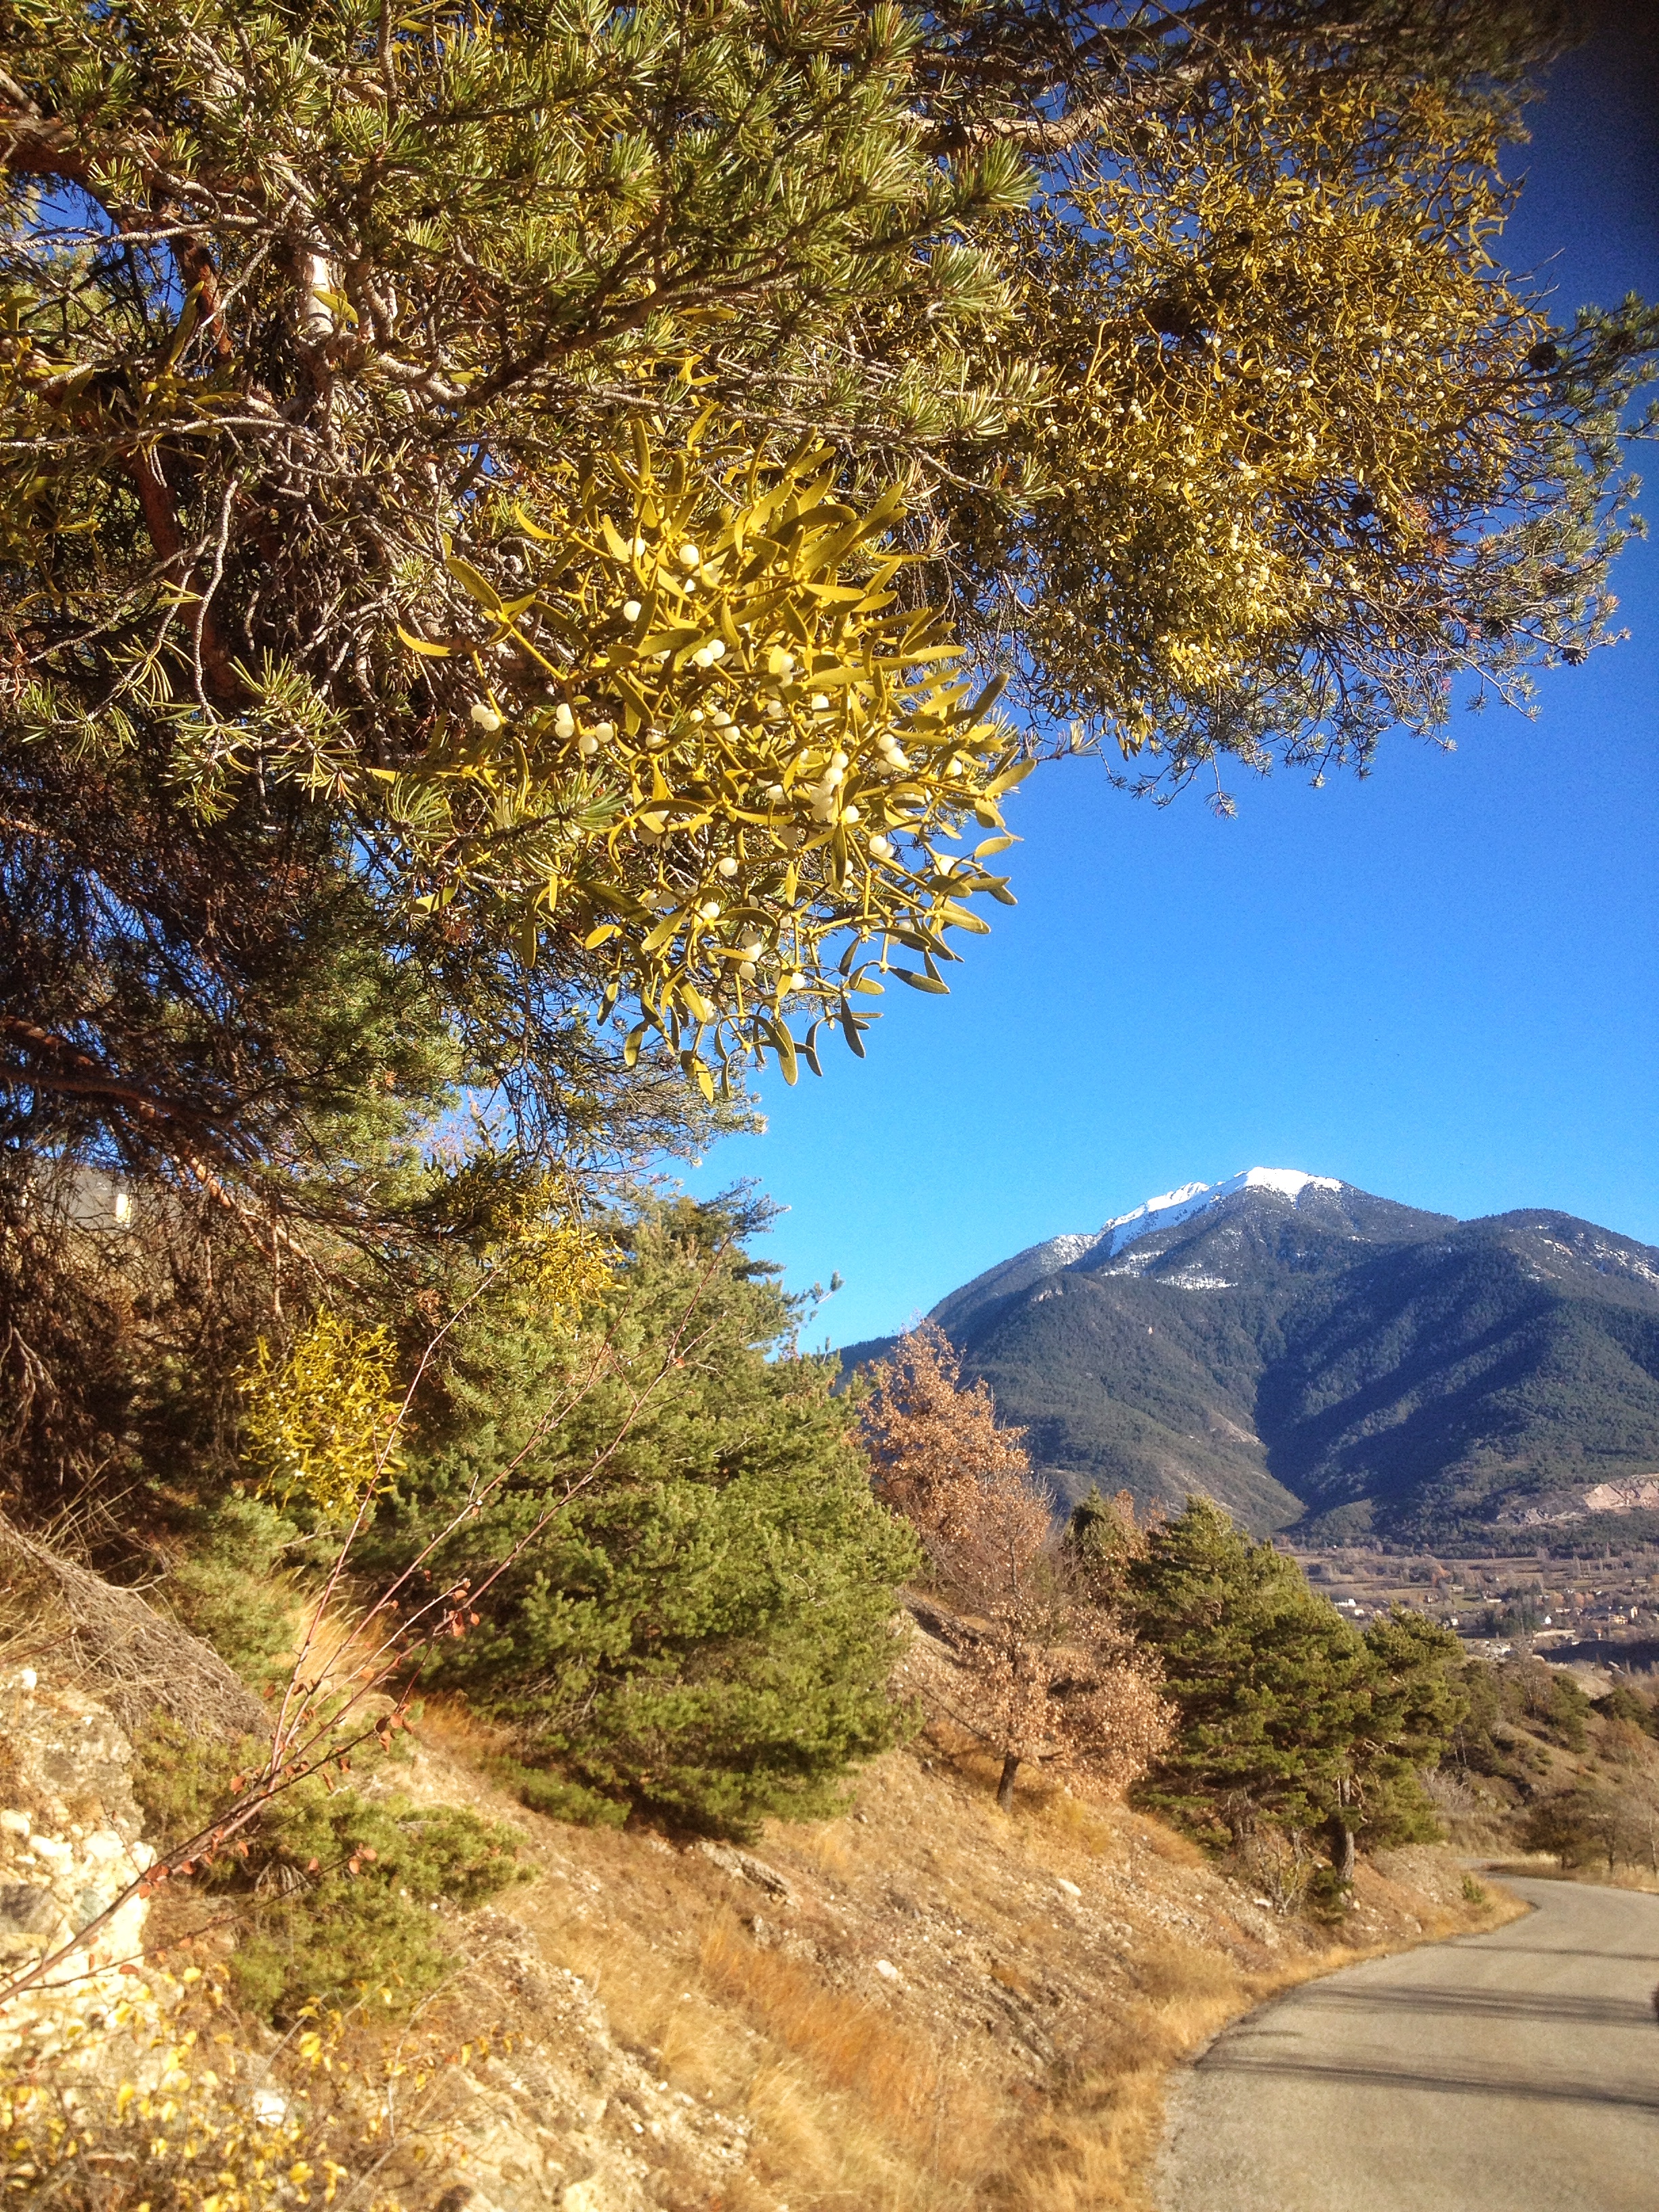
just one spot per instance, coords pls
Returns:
(1342, 1849)
(1006, 1787)
(159, 504)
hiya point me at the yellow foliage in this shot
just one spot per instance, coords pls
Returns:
(195, 2128)
(707, 738)
(543, 1248)
(1288, 375)
(321, 1424)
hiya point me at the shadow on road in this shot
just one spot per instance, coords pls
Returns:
(1445, 2081)
(1552, 1951)
(1512, 2071)
(1524, 2005)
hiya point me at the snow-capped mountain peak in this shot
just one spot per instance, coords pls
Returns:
(1167, 1211)
(1172, 1207)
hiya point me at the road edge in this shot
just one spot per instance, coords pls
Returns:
(1503, 1908)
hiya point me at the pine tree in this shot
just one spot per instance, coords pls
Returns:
(361, 369)
(1286, 1713)
(1418, 1705)
(704, 1628)
(1101, 1538)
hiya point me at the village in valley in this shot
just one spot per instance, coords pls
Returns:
(1597, 1605)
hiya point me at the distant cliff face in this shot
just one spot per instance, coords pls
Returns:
(1305, 1352)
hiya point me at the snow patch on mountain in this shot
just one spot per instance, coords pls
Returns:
(1167, 1211)
(1016, 1274)
(1171, 1207)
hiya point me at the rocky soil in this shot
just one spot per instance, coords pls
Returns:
(924, 2003)
(70, 1842)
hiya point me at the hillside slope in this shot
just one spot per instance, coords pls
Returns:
(1309, 1354)
(924, 2006)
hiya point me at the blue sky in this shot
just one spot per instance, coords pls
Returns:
(1439, 984)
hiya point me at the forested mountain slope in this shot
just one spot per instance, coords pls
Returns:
(1306, 1352)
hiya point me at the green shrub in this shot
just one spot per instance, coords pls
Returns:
(226, 1589)
(1621, 1702)
(362, 1923)
(563, 1800)
(338, 1890)
(1328, 1897)
(181, 1779)
(705, 1633)
(1565, 1714)
(1285, 1712)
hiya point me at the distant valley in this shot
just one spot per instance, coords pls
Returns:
(1317, 1357)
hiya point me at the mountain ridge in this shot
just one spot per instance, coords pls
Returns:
(1314, 1356)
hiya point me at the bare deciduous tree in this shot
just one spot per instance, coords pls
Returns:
(1053, 1676)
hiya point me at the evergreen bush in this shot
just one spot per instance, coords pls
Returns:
(704, 1628)
(1286, 1713)
(337, 1888)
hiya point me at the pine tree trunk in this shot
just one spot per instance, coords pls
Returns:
(1342, 1851)
(1006, 1787)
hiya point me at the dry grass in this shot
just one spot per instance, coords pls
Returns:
(133, 1657)
(950, 2009)
(35, 1623)
(837, 2102)
(848, 2046)
(896, 2108)
(1544, 1868)
(1094, 2149)
(1051, 1967)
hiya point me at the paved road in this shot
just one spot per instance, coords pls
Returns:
(1518, 2070)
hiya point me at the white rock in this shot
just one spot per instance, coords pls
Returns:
(269, 2109)
(1070, 1888)
(27, 1677)
(103, 1845)
(50, 1849)
(13, 1823)
(887, 1970)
